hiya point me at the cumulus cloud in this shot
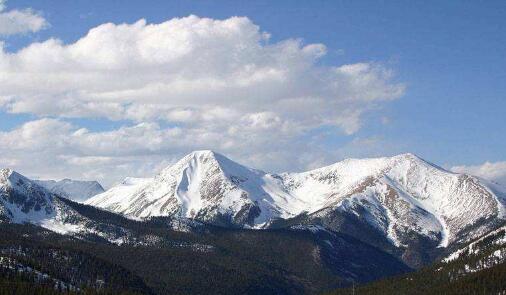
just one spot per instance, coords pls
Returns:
(20, 21)
(495, 171)
(187, 83)
(190, 70)
(52, 148)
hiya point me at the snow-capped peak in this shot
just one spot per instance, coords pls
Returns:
(22, 200)
(204, 185)
(12, 180)
(208, 159)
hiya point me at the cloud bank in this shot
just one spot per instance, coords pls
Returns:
(492, 171)
(182, 84)
(20, 21)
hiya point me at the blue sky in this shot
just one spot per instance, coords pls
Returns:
(449, 55)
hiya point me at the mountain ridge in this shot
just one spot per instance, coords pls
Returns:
(403, 204)
(397, 197)
(24, 201)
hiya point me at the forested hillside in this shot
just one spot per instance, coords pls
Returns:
(198, 259)
(478, 268)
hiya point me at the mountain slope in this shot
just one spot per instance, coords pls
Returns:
(476, 268)
(300, 260)
(401, 193)
(24, 201)
(415, 206)
(401, 203)
(482, 253)
(75, 190)
(215, 260)
(208, 260)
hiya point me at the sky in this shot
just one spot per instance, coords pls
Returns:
(108, 89)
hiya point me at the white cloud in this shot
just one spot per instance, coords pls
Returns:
(495, 171)
(219, 84)
(51, 148)
(184, 69)
(20, 21)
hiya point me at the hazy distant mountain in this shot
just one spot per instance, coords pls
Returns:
(76, 190)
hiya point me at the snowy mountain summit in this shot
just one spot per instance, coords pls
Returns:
(24, 201)
(21, 199)
(203, 185)
(395, 197)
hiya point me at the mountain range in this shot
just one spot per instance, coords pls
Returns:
(362, 219)
(394, 203)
